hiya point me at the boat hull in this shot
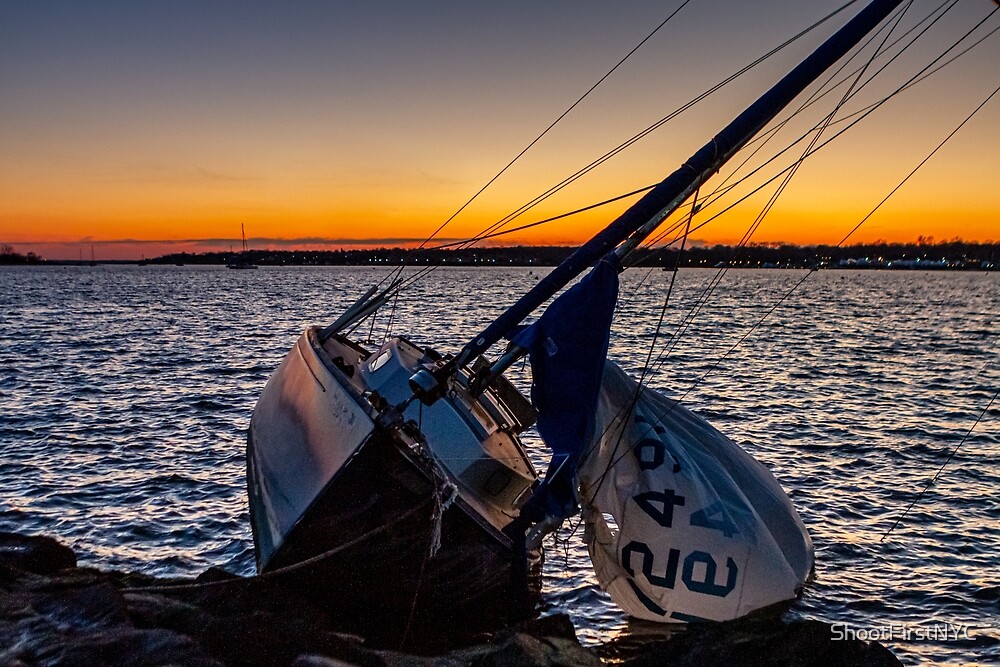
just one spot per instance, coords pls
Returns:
(305, 427)
(363, 518)
(364, 554)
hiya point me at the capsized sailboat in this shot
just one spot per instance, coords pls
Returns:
(390, 485)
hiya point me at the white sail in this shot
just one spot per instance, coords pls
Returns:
(683, 524)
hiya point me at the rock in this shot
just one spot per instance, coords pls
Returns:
(548, 640)
(53, 613)
(149, 610)
(38, 554)
(555, 625)
(215, 574)
(130, 647)
(45, 623)
(379, 658)
(529, 651)
(761, 643)
(253, 622)
(319, 661)
(91, 606)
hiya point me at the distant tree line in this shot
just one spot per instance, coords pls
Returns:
(513, 256)
(947, 255)
(955, 254)
(925, 254)
(8, 256)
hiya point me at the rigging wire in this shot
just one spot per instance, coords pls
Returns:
(540, 136)
(622, 412)
(624, 303)
(716, 193)
(928, 71)
(661, 358)
(466, 242)
(820, 93)
(813, 270)
(651, 128)
(556, 121)
(933, 479)
(720, 190)
(923, 74)
(396, 274)
(875, 74)
(922, 163)
(714, 283)
(936, 69)
(493, 234)
(789, 172)
(859, 116)
(392, 317)
(920, 76)
(842, 241)
(702, 300)
(666, 298)
(649, 355)
(572, 178)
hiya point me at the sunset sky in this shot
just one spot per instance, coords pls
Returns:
(140, 128)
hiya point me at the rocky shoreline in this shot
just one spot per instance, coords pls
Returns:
(55, 613)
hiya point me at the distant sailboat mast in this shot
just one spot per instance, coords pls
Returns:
(241, 261)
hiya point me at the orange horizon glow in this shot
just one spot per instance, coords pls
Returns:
(350, 127)
(821, 206)
(130, 235)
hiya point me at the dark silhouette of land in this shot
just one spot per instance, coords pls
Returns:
(8, 256)
(950, 255)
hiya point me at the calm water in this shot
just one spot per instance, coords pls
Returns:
(125, 393)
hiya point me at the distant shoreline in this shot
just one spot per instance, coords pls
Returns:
(951, 256)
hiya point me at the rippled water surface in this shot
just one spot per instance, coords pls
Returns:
(125, 393)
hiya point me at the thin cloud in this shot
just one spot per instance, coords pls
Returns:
(173, 175)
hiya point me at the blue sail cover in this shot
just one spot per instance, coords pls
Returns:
(568, 346)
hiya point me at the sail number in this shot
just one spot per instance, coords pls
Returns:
(707, 584)
(707, 579)
(699, 571)
(651, 451)
(660, 507)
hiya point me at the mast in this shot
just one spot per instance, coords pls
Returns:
(643, 216)
(678, 186)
